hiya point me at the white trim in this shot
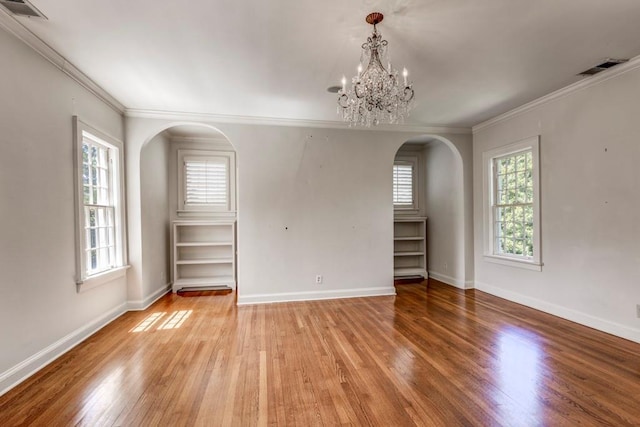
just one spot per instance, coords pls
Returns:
(23, 370)
(314, 295)
(532, 144)
(229, 155)
(273, 121)
(116, 147)
(587, 82)
(92, 282)
(13, 26)
(415, 162)
(520, 263)
(201, 215)
(585, 319)
(216, 144)
(141, 305)
(451, 281)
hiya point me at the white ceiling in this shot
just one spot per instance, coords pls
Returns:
(470, 60)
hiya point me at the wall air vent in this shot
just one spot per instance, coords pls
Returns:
(601, 67)
(22, 8)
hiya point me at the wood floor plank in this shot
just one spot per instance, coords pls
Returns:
(431, 356)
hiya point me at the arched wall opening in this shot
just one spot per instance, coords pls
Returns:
(159, 202)
(439, 196)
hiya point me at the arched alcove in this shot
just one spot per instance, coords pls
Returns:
(440, 197)
(158, 197)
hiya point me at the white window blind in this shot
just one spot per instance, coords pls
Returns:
(206, 181)
(403, 184)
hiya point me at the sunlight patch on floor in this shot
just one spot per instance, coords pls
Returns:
(176, 319)
(148, 322)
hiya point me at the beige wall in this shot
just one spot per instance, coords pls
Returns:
(445, 212)
(589, 156)
(40, 310)
(310, 201)
(154, 176)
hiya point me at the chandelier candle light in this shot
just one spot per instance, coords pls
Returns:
(376, 95)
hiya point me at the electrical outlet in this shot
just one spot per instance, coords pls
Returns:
(638, 310)
(445, 266)
(319, 279)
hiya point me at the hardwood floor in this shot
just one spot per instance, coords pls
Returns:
(439, 357)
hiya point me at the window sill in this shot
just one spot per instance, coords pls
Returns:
(205, 214)
(101, 279)
(527, 265)
(405, 211)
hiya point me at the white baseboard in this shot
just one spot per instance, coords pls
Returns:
(140, 305)
(314, 295)
(452, 281)
(582, 318)
(23, 370)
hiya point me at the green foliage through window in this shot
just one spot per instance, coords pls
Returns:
(513, 204)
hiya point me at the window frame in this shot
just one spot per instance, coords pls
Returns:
(489, 188)
(185, 210)
(84, 280)
(413, 162)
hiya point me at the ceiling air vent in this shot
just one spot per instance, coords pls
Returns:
(604, 66)
(22, 8)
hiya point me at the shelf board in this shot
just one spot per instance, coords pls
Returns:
(204, 244)
(205, 261)
(408, 271)
(407, 253)
(203, 281)
(410, 219)
(408, 238)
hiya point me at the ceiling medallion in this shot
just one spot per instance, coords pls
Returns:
(376, 95)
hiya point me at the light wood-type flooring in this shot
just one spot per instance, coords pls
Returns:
(429, 356)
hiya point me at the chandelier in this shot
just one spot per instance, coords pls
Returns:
(376, 95)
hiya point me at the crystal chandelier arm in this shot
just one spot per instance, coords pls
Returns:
(343, 101)
(408, 94)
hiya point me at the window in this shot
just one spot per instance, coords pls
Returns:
(100, 225)
(404, 183)
(207, 181)
(512, 209)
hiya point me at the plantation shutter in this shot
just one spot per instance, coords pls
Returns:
(206, 181)
(403, 184)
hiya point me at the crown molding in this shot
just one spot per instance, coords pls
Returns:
(13, 26)
(210, 141)
(587, 82)
(272, 121)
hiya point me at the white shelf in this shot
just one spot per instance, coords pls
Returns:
(399, 272)
(194, 244)
(203, 254)
(409, 247)
(205, 261)
(219, 280)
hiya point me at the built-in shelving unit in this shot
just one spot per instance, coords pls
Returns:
(204, 254)
(410, 247)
